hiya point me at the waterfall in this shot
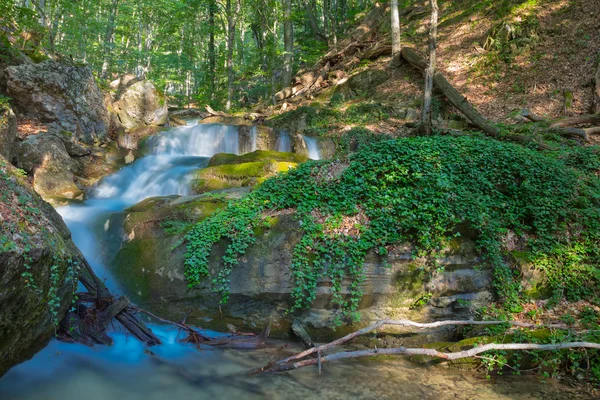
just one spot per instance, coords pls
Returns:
(284, 143)
(204, 140)
(167, 169)
(312, 145)
(253, 134)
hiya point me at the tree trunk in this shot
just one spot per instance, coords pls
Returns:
(429, 73)
(109, 39)
(288, 42)
(312, 21)
(212, 64)
(597, 91)
(396, 44)
(231, 22)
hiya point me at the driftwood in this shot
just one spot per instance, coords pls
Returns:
(275, 367)
(242, 341)
(89, 323)
(300, 359)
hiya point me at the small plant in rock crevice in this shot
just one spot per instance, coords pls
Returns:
(423, 191)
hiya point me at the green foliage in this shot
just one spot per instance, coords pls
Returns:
(321, 120)
(4, 103)
(422, 190)
(357, 138)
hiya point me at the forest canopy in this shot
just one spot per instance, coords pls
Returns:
(223, 52)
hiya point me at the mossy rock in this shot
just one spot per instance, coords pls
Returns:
(258, 155)
(227, 171)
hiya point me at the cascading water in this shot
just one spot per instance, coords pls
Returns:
(284, 142)
(312, 145)
(174, 370)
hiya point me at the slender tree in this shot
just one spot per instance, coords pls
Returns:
(396, 44)
(430, 71)
(288, 40)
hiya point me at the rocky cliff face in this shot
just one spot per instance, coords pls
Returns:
(62, 94)
(150, 262)
(38, 264)
(8, 132)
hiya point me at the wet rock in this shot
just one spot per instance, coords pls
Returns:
(141, 104)
(46, 158)
(227, 171)
(62, 93)
(131, 139)
(37, 262)
(8, 132)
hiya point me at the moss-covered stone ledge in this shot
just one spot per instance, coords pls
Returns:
(227, 171)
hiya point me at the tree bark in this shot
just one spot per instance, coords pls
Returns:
(396, 44)
(430, 71)
(212, 64)
(288, 42)
(108, 40)
(597, 91)
(232, 16)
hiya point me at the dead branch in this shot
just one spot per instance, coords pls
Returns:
(181, 325)
(300, 359)
(408, 323)
(277, 367)
(577, 120)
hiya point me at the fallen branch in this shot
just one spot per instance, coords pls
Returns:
(408, 323)
(181, 325)
(278, 367)
(577, 120)
(300, 359)
(460, 102)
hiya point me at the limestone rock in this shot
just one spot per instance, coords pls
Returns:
(62, 93)
(46, 158)
(8, 133)
(37, 262)
(150, 263)
(141, 104)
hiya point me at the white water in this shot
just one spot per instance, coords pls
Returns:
(167, 170)
(312, 146)
(284, 142)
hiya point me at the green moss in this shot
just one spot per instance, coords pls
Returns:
(255, 156)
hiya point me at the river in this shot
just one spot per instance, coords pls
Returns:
(177, 371)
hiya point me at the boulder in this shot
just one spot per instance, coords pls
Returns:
(8, 132)
(47, 159)
(61, 93)
(139, 105)
(38, 263)
(226, 171)
(130, 139)
(150, 262)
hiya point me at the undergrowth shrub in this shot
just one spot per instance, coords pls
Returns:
(423, 191)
